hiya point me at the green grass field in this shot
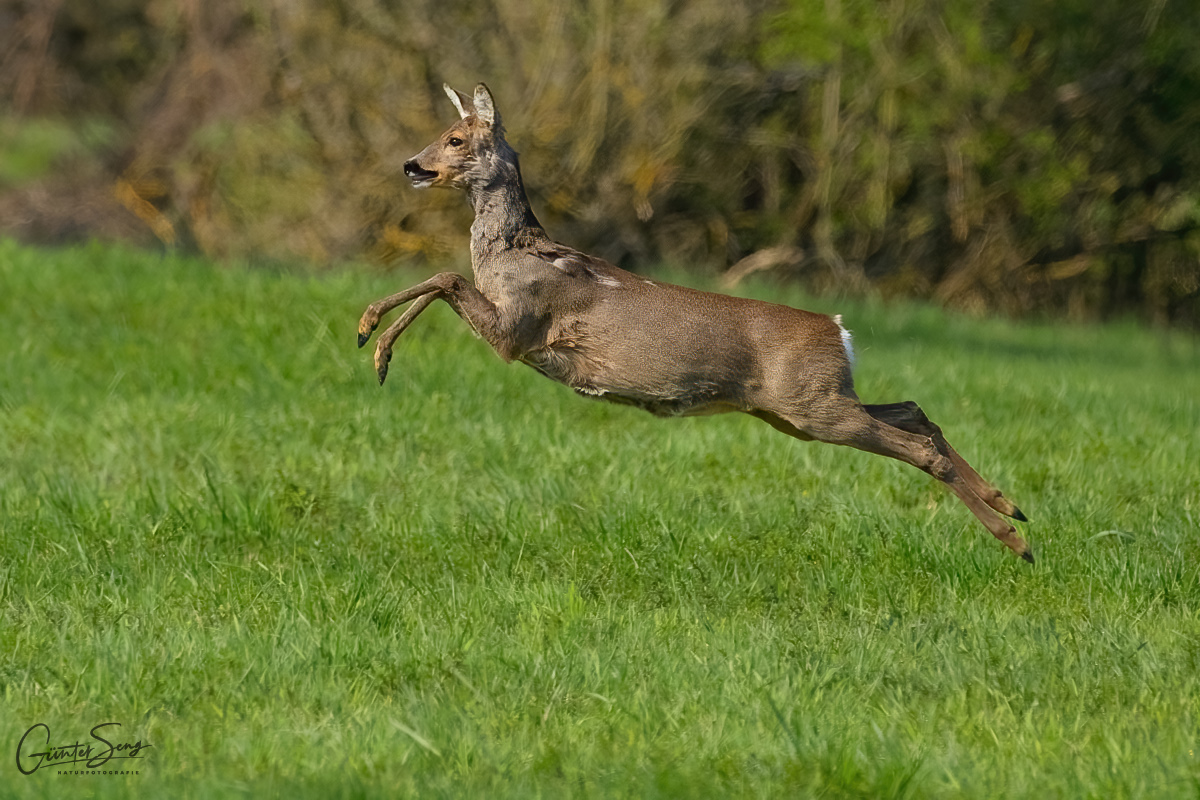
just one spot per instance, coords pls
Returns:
(219, 531)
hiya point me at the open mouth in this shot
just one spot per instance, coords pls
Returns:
(420, 177)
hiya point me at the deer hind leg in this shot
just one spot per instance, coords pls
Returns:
(848, 423)
(459, 294)
(908, 416)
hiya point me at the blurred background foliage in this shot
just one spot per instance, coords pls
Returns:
(1027, 156)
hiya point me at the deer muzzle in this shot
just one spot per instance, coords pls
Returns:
(419, 176)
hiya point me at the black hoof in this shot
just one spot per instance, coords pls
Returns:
(1028, 556)
(1018, 516)
(362, 338)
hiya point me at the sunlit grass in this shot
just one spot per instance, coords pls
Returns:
(220, 532)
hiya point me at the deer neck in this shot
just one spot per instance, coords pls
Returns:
(503, 216)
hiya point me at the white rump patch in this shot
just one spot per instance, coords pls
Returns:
(847, 339)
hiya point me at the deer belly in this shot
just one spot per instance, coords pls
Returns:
(663, 389)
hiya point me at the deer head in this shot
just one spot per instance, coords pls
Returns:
(469, 153)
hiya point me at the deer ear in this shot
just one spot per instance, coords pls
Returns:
(460, 100)
(485, 107)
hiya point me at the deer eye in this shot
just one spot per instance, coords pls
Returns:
(455, 141)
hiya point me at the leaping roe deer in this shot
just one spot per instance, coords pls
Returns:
(670, 350)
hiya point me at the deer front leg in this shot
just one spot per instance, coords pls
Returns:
(467, 301)
(383, 348)
(370, 318)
